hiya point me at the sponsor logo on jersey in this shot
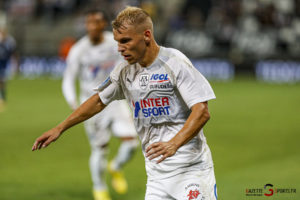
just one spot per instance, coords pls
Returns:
(152, 107)
(160, 81)
(159, 78)
(144, 80)
(161, 86)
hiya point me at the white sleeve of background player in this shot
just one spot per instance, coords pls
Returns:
(69, 78)
(192, 85)
(111, 89)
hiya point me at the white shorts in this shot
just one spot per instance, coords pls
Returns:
(196, 185)
(116, 118)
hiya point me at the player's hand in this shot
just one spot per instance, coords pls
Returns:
(163, 149)
(45, 139)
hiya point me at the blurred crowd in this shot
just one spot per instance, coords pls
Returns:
(233, 29)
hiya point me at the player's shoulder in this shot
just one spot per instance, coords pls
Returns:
(81, 45)
(82, 42)
(108, 35)
(174, 58)
(109, 40)
(171, 52)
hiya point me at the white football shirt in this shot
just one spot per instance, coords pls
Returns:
(91, 64)
(161, 96)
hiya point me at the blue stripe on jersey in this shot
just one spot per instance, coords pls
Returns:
(104, 84)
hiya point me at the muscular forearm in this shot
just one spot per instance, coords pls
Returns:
(195, 122)
(197, 119)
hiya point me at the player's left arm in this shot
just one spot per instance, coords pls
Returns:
(195, 122)
(195, 91)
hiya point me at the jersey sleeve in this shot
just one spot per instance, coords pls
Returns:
(192, 85)
(70, 76)
(111, 88)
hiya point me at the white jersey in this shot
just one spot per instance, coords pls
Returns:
(91, 64)
(161, 96)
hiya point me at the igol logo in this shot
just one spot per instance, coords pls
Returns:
(152, 106)
(159, 78)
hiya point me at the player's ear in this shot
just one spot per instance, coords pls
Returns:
(147, 36)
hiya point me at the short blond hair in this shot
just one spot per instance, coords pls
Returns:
(131, 16)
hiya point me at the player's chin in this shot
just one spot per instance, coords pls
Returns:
(131, 61)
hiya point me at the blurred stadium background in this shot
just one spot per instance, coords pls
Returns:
(248, 49)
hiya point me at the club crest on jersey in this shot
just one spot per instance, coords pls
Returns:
(144, 80)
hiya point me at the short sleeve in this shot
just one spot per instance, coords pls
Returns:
(192, 85)
(109, 91)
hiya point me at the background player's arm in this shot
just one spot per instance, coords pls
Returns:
(195, 122)
(69, 78)
(86, 110)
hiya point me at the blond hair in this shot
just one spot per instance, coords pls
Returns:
(132, 16)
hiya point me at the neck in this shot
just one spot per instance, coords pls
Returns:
(96, 40)
(150, 55)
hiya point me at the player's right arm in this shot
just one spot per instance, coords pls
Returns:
(108, 91)
(85, 111)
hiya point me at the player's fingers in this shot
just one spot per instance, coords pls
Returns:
(151, 146)
(155, 155)
(154, 150)
(41, 144)
(35, 145)
(47, 142)
(165, 154)
(163, 157)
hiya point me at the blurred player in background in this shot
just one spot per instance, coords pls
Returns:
(169, 97)
(91, 60)
(7, 50)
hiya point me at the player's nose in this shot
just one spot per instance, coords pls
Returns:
(121, 48)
